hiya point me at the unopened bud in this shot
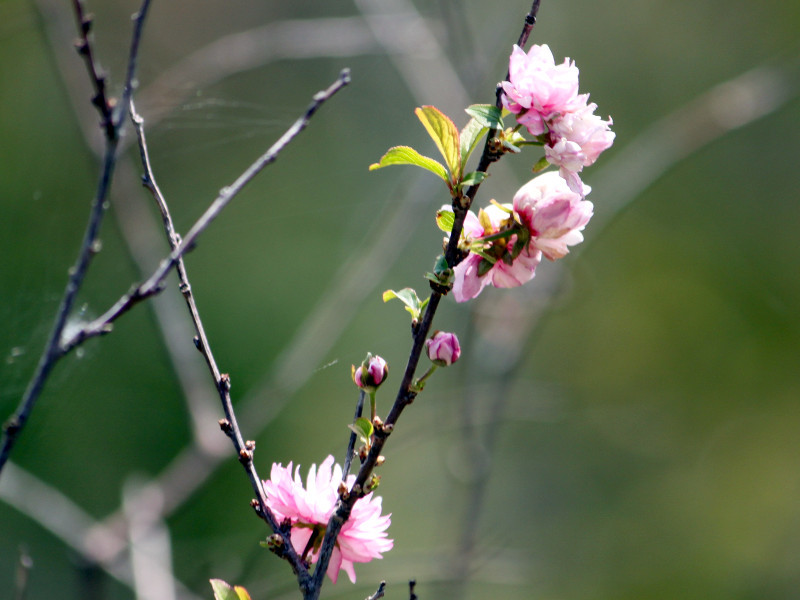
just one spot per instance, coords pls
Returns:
(443, 348)
(371, 373)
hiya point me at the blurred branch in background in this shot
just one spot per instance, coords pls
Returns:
(96, 544)
(504, 333)
(631, 170)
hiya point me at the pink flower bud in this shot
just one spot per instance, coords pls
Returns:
(372, 372)
(443, 348)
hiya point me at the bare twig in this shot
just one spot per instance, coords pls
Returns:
(351, 444)
(179, 247)
(54, 348)
(379, 593)
(85, 49)
(155, 283)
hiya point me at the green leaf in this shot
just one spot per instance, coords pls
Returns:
(473, 178)
(408, 297)
(362, 428)
(487, 115)
(445, 220)
(224, 591)
(403, 155)
(444, 133)
(470, 136)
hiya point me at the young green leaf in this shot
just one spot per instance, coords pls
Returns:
(487, 115)
(408, 297)
(224, 591)
(403, 155)
(445, 220)
(445, 135)
(470, 136)
(473, 178)
(362, 428)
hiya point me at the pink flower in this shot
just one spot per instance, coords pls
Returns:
(371, 373)
(553, 213)
(362, 537)
(474, 273)
(544, 96)
(443, 348)
(538, 88)
(577, 139)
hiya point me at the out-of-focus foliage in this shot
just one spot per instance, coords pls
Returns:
(645, 446)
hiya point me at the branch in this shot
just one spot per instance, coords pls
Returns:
(54, 349)
(222, 381)
(379, 593)
(405, 395)
(155, 283)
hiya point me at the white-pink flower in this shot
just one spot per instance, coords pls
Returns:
(553, 213)
(577, 139)
(545, 98)
(362, 538)
(474, 273)
(539, 88)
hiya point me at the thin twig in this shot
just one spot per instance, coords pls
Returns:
(222, 381)
(54, 348)
(155, 283)
(351, 444)
(379, 593)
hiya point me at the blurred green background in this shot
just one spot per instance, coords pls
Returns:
(625, 426)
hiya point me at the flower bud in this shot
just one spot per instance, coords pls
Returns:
(372, 372)
(443, 348)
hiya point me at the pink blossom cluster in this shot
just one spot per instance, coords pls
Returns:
(362, 537)
(506, 242)
(544, 96)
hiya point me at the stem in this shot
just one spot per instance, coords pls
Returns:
(54, 348)
(351, 445)
(222, 381)
(405, 395)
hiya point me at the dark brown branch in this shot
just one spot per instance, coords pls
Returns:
(54, 348)
(379, 593)
(85, 49)
(221, 381)
(155, 283)
(405, 394)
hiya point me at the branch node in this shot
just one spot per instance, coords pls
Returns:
(225, 381)
(245, 457)
(250, 446)
(226, 427)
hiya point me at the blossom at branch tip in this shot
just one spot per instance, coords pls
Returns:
(443, 348)
(362, 537)
(545, 98)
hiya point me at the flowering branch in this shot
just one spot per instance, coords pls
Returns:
(112, 124)
(406, 394)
